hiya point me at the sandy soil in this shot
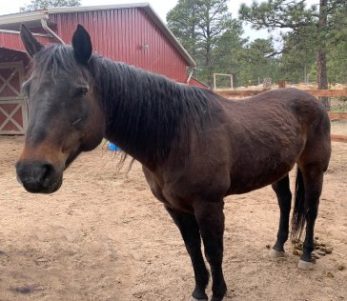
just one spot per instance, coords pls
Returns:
(104, 237)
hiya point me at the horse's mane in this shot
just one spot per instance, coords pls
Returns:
(144, 111)
(147, 110)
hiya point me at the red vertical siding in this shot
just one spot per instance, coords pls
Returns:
(122, 35)
(11, 40)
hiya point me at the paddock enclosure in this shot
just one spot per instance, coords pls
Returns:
(103, 236)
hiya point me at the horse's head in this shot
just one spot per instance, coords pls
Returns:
(65, 117)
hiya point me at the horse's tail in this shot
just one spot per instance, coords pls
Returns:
(299, 213)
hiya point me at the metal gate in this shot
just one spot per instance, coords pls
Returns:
(13, 113)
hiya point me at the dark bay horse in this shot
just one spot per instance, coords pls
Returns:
(195, 146)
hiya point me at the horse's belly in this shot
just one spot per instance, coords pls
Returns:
(266, 158)
(259, 174)
(248, 184)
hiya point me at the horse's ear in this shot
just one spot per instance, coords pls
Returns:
(31, 45)
(82, 45)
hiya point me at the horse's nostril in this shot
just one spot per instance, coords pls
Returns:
(47, 172)
(36, 176)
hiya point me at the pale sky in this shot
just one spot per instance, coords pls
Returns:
(161, 7)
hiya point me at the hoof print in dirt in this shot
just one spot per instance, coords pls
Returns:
(329, 275)
(297, 252)
(26, 289)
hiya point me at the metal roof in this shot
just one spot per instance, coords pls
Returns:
(11, 21)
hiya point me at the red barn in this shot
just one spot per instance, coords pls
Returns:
(131, 33)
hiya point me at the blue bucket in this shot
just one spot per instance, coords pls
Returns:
(112, 147)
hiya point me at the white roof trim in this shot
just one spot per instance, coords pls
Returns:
(23, 17)
(74, 9)
(16, 32)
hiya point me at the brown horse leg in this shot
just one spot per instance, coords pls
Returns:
(313, 181)
(284, 198)
(210, 218)
(190, 233)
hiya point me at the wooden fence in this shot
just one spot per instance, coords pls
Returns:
(229, 93)
(334, 116)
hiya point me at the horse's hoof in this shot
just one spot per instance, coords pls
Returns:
(276, 254)
(305, 265)
(194, 299)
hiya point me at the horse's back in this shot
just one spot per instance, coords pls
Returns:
(283, 106)
(290, 100)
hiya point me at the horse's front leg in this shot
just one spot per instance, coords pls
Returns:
(210, 218)
(190, 233)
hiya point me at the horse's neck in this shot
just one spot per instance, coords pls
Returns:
(142, 110)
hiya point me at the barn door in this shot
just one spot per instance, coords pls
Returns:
(13, 113)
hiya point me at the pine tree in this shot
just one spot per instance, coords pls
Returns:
(199, 24)
(44, 4)
(296, 16)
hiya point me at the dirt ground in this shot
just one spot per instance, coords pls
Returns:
(103, 236)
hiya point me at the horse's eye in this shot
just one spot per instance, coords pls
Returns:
(77, 121)
(81, 91)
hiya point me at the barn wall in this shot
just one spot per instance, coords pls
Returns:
(11, 40)
(12, 106)
(126, 35)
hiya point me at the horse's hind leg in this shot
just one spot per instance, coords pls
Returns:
(190, 233)
(284, 198)
(210, 218)
(313, 181)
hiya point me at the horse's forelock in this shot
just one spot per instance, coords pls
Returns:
(56, 60)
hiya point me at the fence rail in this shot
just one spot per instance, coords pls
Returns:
(339, 138)
(334, 116)
(315, 92)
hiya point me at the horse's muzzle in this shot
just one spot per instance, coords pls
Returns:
(38, 177)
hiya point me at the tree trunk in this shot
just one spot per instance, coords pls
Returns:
(192, 49)
(322, 76)
(208, 64)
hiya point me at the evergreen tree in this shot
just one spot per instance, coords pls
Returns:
(296, 16)
(199, 24)
(182, 20)
(297, 63)
(258, 62)
(44, 4)
(337, 44)
(227, 55)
